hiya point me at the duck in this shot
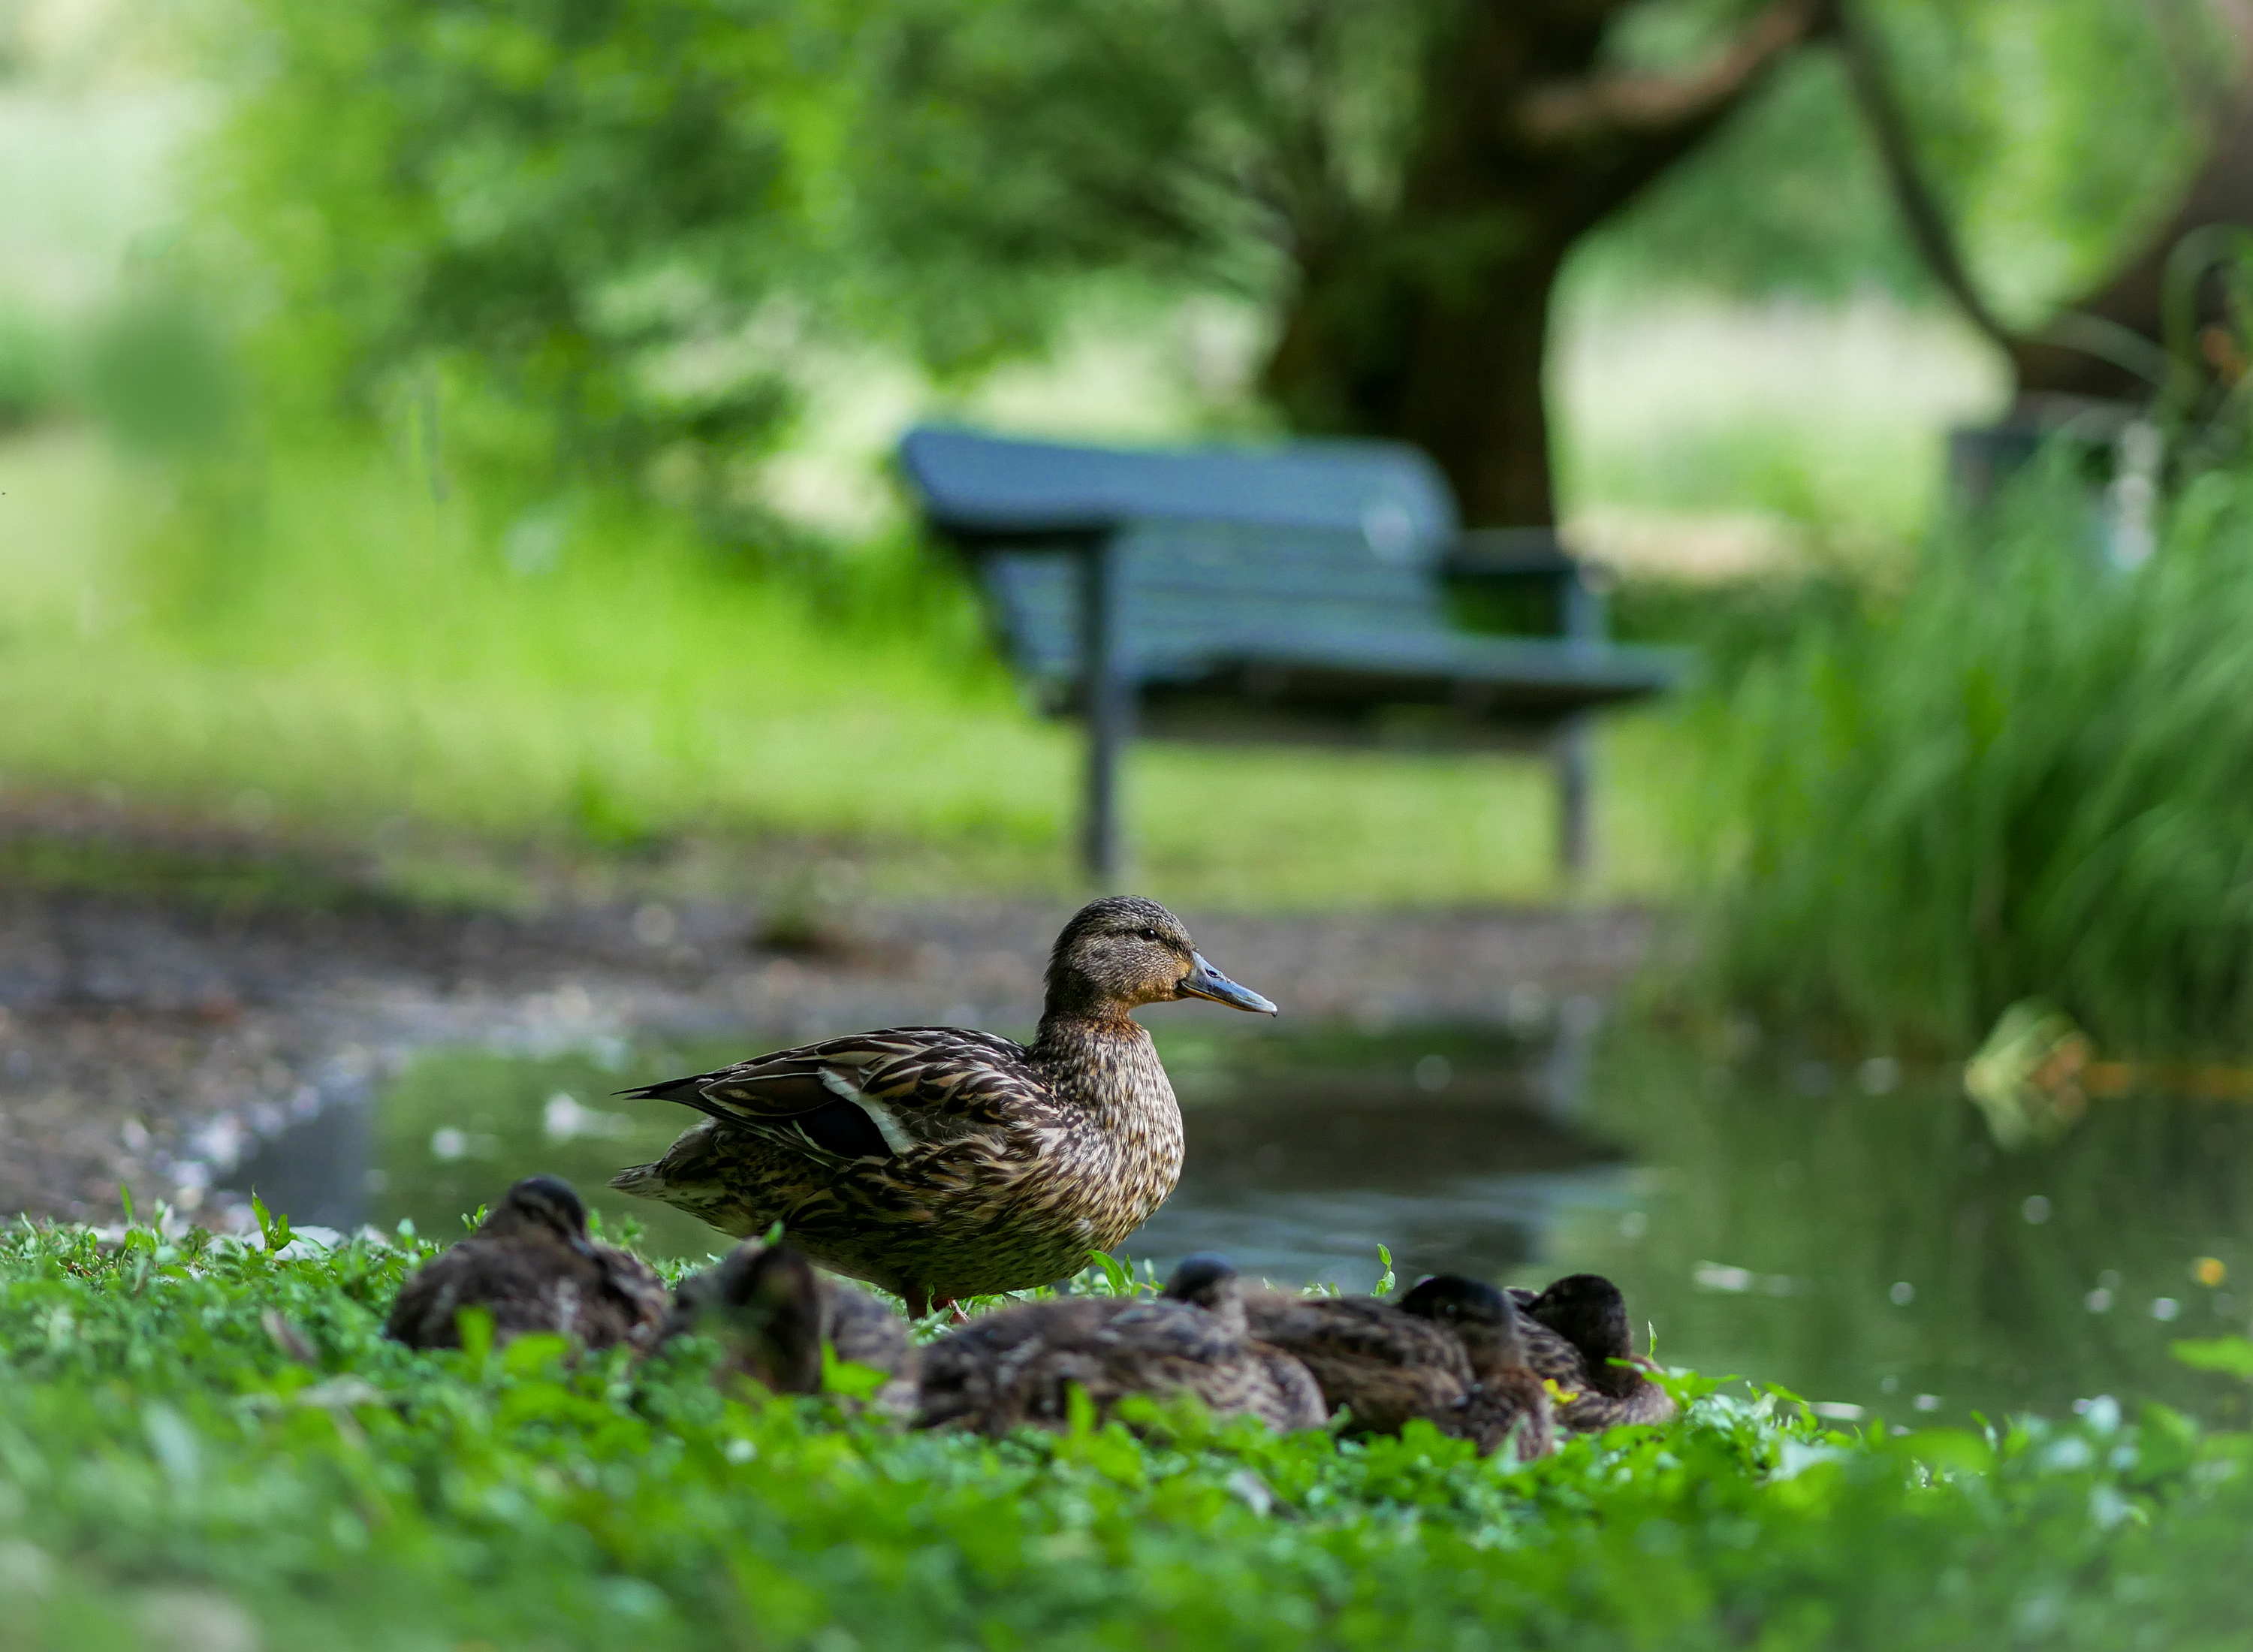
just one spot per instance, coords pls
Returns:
(531, 1265)
(939, 1163)
(773, 1315)
(1018, 1366)
(1450, 1351)
(1576, 1335)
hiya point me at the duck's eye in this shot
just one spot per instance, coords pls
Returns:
(1150, 935)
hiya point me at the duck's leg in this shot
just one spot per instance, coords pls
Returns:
(917, 1298)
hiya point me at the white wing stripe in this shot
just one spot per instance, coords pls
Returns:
(896, 1135)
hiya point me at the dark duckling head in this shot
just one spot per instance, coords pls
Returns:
(539, 1207)
(1208, 1282)
(764, 1304)
(1203, 1280)
(1120, 952)
(1587, 1311)
(1477, 1313)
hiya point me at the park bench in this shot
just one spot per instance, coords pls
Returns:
(1296, 591)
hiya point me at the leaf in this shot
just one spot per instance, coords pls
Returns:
(849, 1379)
(474, 1327)
(2232, 1356)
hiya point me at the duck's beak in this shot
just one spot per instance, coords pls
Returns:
(1204, 981)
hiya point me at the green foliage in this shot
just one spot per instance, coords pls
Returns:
(2025, 779)
(1008, 148)
(549, 228)
(169, 1474)
(2233, 1356)
(31, 369)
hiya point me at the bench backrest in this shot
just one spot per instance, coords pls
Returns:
(983, 490)
(1223, 548)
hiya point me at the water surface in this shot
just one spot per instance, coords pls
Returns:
(1843, 1228)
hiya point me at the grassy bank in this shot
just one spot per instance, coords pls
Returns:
(329, 642)
(2024, 776)
(168, 1478)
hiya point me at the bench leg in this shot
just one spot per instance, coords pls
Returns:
(1109, 714)
(1574, 757)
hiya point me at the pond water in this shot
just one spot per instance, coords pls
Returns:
(1848, 1231)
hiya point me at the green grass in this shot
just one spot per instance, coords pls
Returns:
(2025, 777)
(322, 641)
(168, 1478)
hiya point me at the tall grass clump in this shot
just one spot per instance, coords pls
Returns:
(2025, 775)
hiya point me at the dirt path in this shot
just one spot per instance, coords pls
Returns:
(142, 1040)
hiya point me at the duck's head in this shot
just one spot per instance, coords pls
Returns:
(1120, 952)
(1208, 1282)
(1587, 1311)
(1474, 1311)
(543, 1206)
(764, 1304)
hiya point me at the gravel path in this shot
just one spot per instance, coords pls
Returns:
(143, 1042)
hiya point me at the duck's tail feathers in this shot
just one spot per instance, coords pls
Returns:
(642, 1180)
(687, 1089)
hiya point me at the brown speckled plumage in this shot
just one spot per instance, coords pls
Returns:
(937, 1163)
(1448, 1352)
(1577, 1335)
(1008, 1370)
(772, 1313)
(531, 1265)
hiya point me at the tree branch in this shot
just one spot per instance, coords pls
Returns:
(1600, 105)
(1912, 193)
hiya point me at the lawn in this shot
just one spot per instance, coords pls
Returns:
(351, 655)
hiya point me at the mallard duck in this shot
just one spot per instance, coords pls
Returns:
(1576, 1335)
(1450, 1352)
(939, 1163)
(531, 1265)
(1019, 1366)
(772, 1313)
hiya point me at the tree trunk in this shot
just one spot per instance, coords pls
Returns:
(1432, 326)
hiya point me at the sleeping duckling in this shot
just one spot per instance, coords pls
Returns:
(1449, 1351)
(531, 1265)
(1018, 1366)
(1577, 1336)
(1506, 1399)
(772, 1313)
(938, 1163)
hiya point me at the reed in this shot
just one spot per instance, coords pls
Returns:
(2026, 775)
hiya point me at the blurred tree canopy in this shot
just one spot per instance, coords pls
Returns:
(600, 231)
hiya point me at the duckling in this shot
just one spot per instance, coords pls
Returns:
(936, 1162)
(1506, 1399)
(531, 1267)
(1577, 1336)
(1018, 1366)
(1449, 1351)
(772, 1313)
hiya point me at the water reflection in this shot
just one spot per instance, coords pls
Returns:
(1850, 1235)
